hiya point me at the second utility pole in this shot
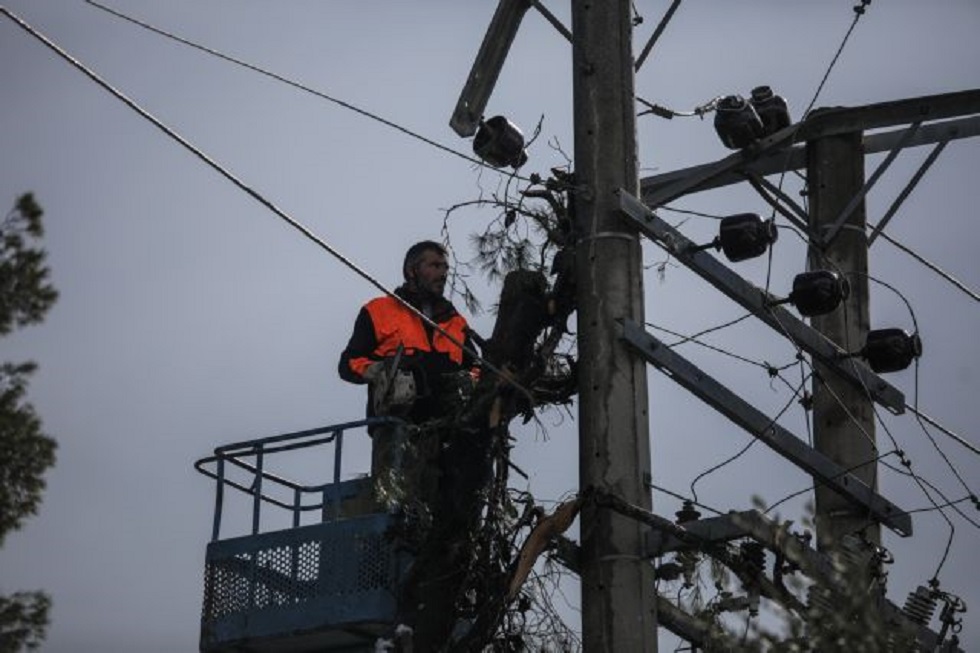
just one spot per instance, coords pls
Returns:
(618, 607)
(843, 415)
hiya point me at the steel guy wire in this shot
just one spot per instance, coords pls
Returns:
(217, 167)
(294, 84)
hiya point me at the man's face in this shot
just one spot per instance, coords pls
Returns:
(430, 273)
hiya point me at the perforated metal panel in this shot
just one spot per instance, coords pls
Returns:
(318, 583)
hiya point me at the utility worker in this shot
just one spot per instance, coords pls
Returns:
(440, 469)
(386, 329)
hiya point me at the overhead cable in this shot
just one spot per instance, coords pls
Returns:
(305, 231)
(942, 429)
(285, 80)
(972, 294)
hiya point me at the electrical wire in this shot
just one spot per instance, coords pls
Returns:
(302, 229)
(922, 483)
(942, 454)
(770, 369)
(972, 294)
(681, 497)
(703, 332)
(840, 474)
(667, 113)
(935, 506)
(748, 446)
(859, 11)
(289, 82)
(942, 429)
(694, 213)
(949, 504)
(915, 401)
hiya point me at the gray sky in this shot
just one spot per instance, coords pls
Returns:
(191, 316)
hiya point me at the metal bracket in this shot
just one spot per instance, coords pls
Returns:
(773, 194)
(933, 155)
(729, 171)
(702, 174)
(765, 429)
(487, 66)
(759, 302)
(875, 176)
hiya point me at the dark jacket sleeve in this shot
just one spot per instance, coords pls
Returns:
(361, 346)
(471, 344)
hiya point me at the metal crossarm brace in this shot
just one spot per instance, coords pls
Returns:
(759, 302)
(703, 174)
(795, 213)
(747, 523)
(487, 66)
(933, 155)
(660, 189)
(710, 530)
(875, 176)
(762, 427)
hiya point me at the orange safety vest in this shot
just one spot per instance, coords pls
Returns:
(395, 325)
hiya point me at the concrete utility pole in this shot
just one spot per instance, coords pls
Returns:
(618, 607)
(843, 415)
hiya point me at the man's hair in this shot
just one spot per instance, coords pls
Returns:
(414, 254)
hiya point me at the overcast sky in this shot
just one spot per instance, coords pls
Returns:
(191, 316)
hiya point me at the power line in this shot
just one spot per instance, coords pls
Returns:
(935, 268)
(305, 231)
(771, 369)
(754, 439)
(942, 429)
(942, 454)
(289, 82)
(858, 12)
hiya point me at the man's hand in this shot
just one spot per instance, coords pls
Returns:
(373, 371)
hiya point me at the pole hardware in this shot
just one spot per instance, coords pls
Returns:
(890, 350)
(779, 439)
(760, 303)
(742, 236)
(817, 292)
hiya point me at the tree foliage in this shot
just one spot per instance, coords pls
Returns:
(26, 295)
(23, 619)
(27, 451)
(25, 292)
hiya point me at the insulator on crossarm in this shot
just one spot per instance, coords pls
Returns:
(920, 605)
(687, 513)
(753, 557)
